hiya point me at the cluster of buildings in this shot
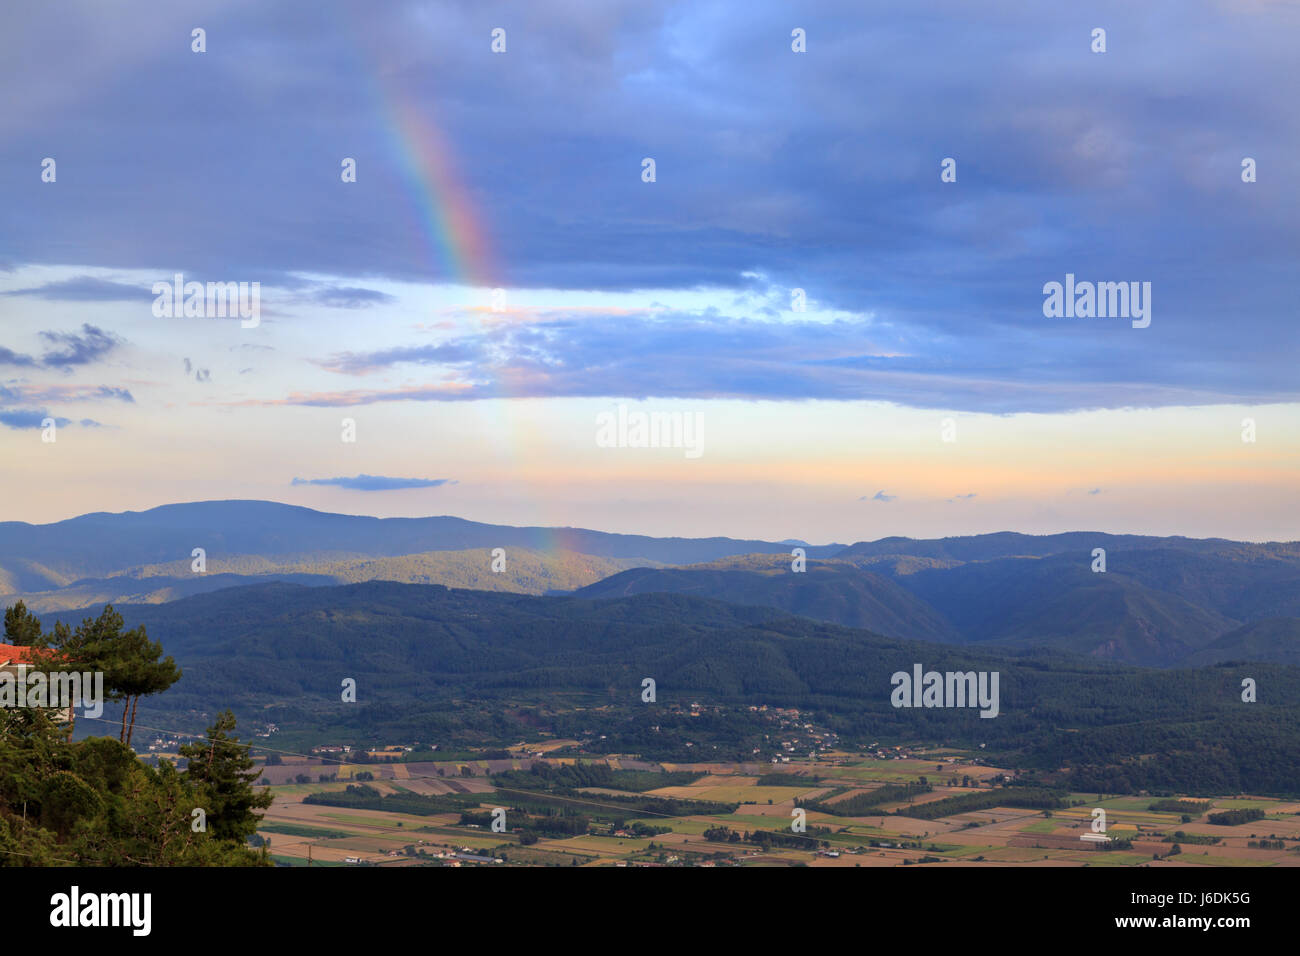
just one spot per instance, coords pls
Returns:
(164, 745)
(807, 737)
(449, 857)
(388, 752)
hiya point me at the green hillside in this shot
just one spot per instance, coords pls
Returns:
(464, 667)
(526, 572)
(826, 591)
(1273, 639)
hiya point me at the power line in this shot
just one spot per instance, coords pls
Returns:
(57, 859)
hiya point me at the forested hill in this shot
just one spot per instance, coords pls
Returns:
(420, 653)
(146, 557)
(827, 590)
(100, 544)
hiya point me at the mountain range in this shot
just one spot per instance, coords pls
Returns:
(1161, 601)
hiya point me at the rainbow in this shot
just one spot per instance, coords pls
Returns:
(457, 244)
(452, 227)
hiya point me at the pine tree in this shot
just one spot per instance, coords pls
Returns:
(223, 775)
(143, 671)
(21, 626)
(132, 665)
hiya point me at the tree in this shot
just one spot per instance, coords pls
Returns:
(94, 802)
(99, 644)
(140, 670)
(65, 800)
(223, 774)
(22, 627)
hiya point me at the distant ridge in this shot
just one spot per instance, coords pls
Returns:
(1010, 544)
(270, 528)
(1162, 601)
(236, 535)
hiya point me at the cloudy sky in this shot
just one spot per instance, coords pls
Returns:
(861, 344)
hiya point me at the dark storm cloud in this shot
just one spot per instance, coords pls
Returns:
(817, 170)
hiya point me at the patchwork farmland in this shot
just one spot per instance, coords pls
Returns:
(943, 809)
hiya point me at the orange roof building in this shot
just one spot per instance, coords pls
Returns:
(17, 654)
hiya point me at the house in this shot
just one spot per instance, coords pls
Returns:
(18, 661)
(18, 654)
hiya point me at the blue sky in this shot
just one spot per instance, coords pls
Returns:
(775, 170)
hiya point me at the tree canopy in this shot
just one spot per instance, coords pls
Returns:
(93, 801)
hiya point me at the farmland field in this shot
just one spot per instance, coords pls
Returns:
(738, 815)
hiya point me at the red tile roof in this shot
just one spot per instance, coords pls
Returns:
(17, 654)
